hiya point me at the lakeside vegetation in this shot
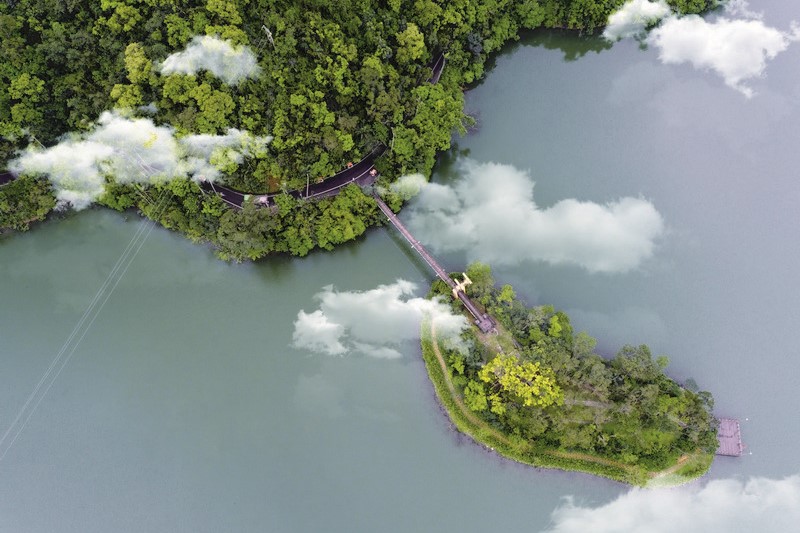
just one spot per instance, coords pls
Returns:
(337, 79)
(537, 392)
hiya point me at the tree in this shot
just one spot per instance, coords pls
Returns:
(506, 294)
(224, 10)
(371, 74)
(411, 44)
(482, 280)
(137, 63)
(337, 79)
(583, 345)
(23, 201)
(245, 234)
(692, 6)
(177, 89)
(127, 96)
(636, 363)
(215, 107)
(123, 18)
(26, 87)
(530, 13)
(27, 91)
(594, 376)
(179, 31)
(475, 396)
(521, 382)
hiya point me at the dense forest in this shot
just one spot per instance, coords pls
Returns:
(545, 397)
(333, 79)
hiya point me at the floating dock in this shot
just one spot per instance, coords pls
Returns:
(730, 437)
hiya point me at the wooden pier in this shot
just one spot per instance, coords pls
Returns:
(484, 322)
(730, 437)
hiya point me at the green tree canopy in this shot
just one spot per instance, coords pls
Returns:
(522, 382)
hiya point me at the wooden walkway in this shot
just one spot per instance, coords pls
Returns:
(730, 437)
(484, 322)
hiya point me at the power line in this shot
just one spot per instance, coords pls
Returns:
(91, 313)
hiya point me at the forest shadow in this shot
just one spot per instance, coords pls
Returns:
(571, 43)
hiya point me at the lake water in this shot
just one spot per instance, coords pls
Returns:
(185, 408)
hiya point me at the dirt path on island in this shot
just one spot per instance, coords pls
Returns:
(589, 458)
(481, 424)
(473, 419)
(672, 469)
(451, 388)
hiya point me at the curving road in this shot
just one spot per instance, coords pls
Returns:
(436, 69)
(360, 173)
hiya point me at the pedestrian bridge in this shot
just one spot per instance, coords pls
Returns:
(484, 322)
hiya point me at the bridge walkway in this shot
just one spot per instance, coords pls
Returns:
(415, 244)
(482, 320)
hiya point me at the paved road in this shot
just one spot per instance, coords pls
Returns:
(6, 177)
(436, 69)
(360, 173)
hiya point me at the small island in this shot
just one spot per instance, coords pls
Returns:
(536, 392)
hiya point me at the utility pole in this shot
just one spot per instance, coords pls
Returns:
(308, 179)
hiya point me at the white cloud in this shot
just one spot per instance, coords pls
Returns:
(207, 152)
(72, 167)
(491, 214)
(203, 145)
(760, 504)
(372, 322)
(378, 352)
(408, 186)
(132, 150)
(741, 8)
(633, 18)
(316, 332)
(149, 109)
(231, 64)
(737, 50)
(143, 152)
